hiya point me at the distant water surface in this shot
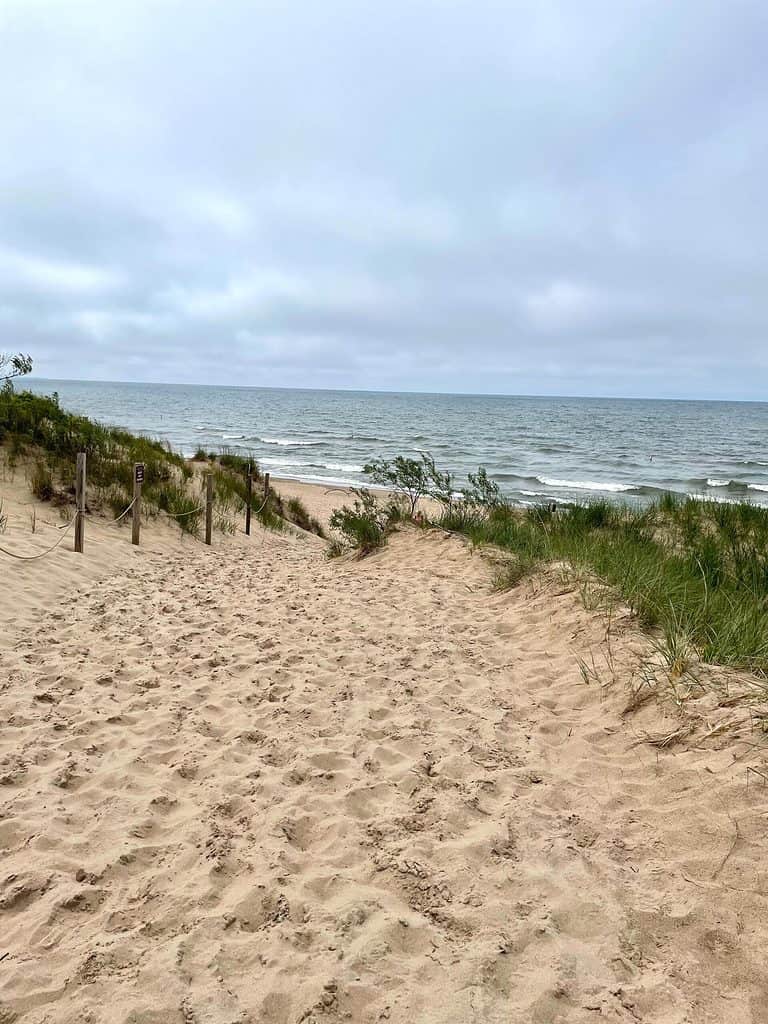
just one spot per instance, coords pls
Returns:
(538, 449)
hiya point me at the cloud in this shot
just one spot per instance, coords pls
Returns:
(503, 195)
(109, 324)
(39, 275)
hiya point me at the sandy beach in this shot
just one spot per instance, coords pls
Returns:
(248, 783)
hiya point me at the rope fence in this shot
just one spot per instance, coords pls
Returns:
(180, 515)
(113, 522)
(41, 554)
(81, 515)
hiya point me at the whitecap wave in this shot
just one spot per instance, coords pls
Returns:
(316, 478)
(233, 437)
(340, 467)
(585, 485)
(289, 442)
(280, 462)
(718, 483)
(758, 487)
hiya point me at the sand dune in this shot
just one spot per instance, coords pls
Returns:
(249, 784)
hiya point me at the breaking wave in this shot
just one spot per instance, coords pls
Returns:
(585, 485)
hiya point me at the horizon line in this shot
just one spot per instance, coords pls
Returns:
(385, 391)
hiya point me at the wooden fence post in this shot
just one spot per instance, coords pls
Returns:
(138, 480)
(80, 502)
(248, 504)
(208, 507)
(266, 486)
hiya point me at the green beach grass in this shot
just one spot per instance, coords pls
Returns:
(694, 570)
(36, 429)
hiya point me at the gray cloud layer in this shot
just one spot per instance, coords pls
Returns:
(519, 196)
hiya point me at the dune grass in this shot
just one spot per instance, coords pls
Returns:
(36, 425)
(230, 473)
(696, 571)
(35, 428)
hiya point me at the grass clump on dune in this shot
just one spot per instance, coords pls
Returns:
(35, 427)
(178, 503)
(695, 570)
(364, 526)
(230, 474)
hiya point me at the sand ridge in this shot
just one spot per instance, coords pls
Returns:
(249, 784)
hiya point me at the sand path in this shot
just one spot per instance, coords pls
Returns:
(250, 784)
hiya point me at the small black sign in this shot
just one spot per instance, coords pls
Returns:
(140, 473)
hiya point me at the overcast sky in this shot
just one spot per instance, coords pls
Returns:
(497, 196)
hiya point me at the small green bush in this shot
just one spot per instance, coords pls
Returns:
(482, 491)
(364, 526)
(412, 479)
(335, 548)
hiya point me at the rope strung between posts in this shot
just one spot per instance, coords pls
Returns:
(40, 554)
(263, 506)
(179, 515)
(114, 522)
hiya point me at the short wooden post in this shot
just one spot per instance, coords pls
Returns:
(80, 502)
(266, 486)
(138, 480)
(208, 507)
(249, 501)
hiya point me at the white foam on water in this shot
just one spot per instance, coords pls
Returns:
(717, 483)
(289, 442)
(328, 481)
(585, 485)
(341, 467)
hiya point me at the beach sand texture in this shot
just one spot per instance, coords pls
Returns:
(250, 784)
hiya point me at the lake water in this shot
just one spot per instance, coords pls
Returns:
(538, 449)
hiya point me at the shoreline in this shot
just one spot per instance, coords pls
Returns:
(537, 449)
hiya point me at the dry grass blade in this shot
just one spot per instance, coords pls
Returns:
(716, 730)
(665, 740)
